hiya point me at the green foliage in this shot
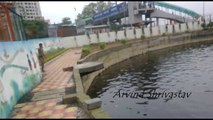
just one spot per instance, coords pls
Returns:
(85, 51)
(93, 8)
(203, 25)
(164, 34)
(142, 37)
(124, 41)
(35, 29)
(187, 31)
(210, 25)
(102, 45)
(66, 20)
(93, 44)
(114, 27)
(51, 55)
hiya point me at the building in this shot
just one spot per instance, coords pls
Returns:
(29, 10)
(52, 30)
(81, 24)
(97, 29)
(56, 30)
(66, 30)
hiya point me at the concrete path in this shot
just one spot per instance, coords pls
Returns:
(54, 78)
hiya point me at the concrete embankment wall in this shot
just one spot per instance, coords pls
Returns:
(117, 54)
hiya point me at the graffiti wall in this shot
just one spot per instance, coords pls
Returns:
(20, 70)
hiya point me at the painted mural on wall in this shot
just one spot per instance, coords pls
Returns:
(49, 45)
(19, 69)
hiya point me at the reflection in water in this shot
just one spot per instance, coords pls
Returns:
(186, 68)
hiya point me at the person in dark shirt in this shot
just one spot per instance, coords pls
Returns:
(41, 56)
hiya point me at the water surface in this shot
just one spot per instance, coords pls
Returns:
(187, 68)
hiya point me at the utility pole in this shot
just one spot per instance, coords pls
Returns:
(203, 11)
(124, 14)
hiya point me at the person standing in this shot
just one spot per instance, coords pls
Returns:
(41, 56)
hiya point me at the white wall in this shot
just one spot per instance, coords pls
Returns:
(103, 37)
(130, 34)
(82, 40)
(120, 35)
(93, 38)
(190, 26)
(183, 27)
(147, 32)
(170, 29)
(69, 42)
(112, 36)
(154, 31)
(138, 33)
(177, 28)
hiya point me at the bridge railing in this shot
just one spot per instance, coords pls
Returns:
(178, 8)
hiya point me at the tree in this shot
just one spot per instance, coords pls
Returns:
(93, 8)
(114, 27)
(101, 5)
(66, 20)
(35, 29)
(89, 10)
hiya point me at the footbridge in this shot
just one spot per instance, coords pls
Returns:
(134, 11)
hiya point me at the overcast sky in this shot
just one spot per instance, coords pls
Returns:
(55, 11)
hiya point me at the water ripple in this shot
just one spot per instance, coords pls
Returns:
(186, 68)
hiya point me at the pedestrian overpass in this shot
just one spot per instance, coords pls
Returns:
(153, 9)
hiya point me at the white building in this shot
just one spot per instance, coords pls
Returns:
(29, 10)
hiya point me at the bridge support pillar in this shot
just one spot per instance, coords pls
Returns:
(150, 21)
(157, 19)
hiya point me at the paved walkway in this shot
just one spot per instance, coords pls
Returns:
(54, 78)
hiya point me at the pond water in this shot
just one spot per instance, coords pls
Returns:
(169, 83)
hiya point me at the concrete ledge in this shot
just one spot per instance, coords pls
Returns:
(37, 98)
(81, 97)
(89, 67)
(68, 69)
(93, 103)
(68, 99)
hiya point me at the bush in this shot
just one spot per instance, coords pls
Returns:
(124, 41)
(142, 37)
(210, 25)
(164, 34)
(102, 45)
(203, 25)
(85, 51)
(51, 55)
(93, 44)
(186, 31)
